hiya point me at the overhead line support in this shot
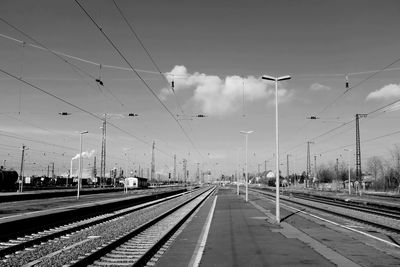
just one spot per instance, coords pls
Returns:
(358, 148)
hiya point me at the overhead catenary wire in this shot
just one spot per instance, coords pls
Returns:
(367, 140)
(382, 109)
(79, 71)
(373, 73)
(363, 141)
(42, 46)
(75, 68)
(138, 75)
(91, 62)
(132, 30)
(13, 136)
(77, 58)
(77, 107)
(36, 126)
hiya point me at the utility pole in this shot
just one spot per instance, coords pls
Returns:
(103, 153)
(198, 173)
(174, 168)
(237, 171)
(21, 173)
(337, 168)
(52, 170)
(48, 171)
(358, 149)
(184, 171)
(308, 160)
(94, 169)
(153, 167)
(287, 165)
(315, 167)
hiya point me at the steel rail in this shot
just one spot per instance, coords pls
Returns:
(97, 254)
(21, 244)
(374, 224)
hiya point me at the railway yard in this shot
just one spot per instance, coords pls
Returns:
(182, 133)
(201, 227)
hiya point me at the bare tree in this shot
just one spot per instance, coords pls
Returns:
(375, 166)
(395, 152)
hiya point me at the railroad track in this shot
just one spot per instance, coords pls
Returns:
(137, 247)
(386, 212)
(73, 248)
(27, 241)
(364, 219)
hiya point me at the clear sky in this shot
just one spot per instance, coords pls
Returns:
(215, 52)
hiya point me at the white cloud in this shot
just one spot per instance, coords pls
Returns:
(385, 93)
(216, 96)
(85, 154)
(319, 87)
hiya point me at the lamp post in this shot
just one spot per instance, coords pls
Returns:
(70, 174)
(276, 80)
(80, 165)
(247, 182)
(237, 171)
(348, 163)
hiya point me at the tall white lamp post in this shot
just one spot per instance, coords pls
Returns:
(348, 163)
(80, 165)
(276, 80)
(246, 134)
(237, 171)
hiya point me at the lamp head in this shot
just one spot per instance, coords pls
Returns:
(282, 78)
(269, 78)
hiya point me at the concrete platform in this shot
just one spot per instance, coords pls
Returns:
(245, 234)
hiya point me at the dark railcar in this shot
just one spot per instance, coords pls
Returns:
(8, 180)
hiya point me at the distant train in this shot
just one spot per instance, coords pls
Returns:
(8, 180)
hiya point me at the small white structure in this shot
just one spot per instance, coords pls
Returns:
(136, 182)
(131, 182)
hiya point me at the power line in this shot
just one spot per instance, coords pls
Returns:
(91, 62)
(35, 141)
(358, 84)
(47, 49)
(147, 52)
(75, 68)
(352, 87)
(77, 58)
(138, 75)
(77, 107)
(373, 73)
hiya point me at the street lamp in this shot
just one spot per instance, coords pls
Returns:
(80, 164)
(276, 80)
(246, 137)
(348, 163)
(237, 170)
